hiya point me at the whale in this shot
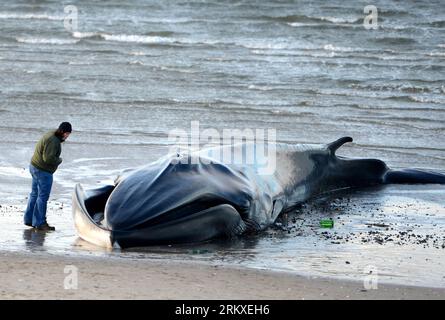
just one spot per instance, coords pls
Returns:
(199, 196)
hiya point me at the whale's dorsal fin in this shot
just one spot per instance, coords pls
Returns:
(333, 146)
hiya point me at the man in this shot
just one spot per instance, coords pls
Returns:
(44, 163)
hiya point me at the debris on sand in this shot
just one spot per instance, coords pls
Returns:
(393, 229)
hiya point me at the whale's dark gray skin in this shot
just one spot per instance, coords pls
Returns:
(197, 197)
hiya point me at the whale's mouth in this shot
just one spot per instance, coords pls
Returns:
(88, 213)
(95, 201)
(216, 221)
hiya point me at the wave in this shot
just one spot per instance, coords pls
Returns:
(437, 54)
(134, 38)
(261, 88)
(408, 98)
(80, 63)
(82, 35)
(42, 16)
(177, 69)
(304, 24)
(303, 18)
(137, 53)
(152, 39)
(317, 50)
(46, 16)
(394, 27)
(341, 20)
(425, 100)
(162, 36)
(330, 47)
(245, 43)
(142, 54)
(389, 87)
(55, 41)
(402, 58)
(321, 25)
(266, 45)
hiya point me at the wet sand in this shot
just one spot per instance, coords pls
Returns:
(396, 232)
(42, 276)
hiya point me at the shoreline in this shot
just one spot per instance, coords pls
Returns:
(330, 261)
(43, 276)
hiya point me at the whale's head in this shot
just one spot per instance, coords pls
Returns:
(172, 189)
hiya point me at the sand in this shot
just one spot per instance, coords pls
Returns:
(44, 276)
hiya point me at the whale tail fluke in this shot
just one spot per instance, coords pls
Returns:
(413, 176)
(333, 146)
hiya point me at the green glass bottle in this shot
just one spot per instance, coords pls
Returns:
(327, 223)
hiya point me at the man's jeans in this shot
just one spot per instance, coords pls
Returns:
(42, 182)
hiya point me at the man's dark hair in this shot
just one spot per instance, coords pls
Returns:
(63, 127)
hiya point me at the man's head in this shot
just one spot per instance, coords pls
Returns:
(64, 130)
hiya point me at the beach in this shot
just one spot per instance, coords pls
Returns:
(42, 276)
(131, 74)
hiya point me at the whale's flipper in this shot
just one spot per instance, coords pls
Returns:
(333, 146)
(413, 176)
(216, 222)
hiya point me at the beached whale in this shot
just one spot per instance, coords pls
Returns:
(198, 197)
